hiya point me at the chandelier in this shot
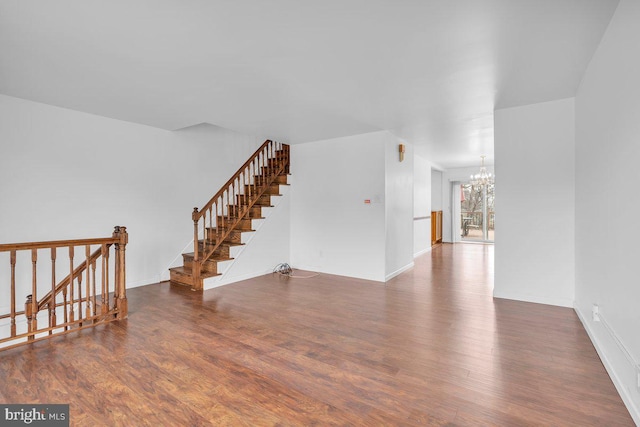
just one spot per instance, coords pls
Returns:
(482, 178)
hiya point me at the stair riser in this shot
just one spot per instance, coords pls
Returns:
(243, 224)
(254, 212)
(273, 189)
(182, 279)
(264, 200)
(280, 179)
(221, 252)
(234, 237)
(268, 172)
(209, 266)
(274, 164)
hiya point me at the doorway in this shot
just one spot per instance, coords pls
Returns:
(477, 212)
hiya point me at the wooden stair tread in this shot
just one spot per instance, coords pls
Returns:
(235, 229)
(224, 243)
(212, 258)
(244, 216)
(263, 196)
(187, 272)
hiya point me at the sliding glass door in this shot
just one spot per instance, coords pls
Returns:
(477, 215)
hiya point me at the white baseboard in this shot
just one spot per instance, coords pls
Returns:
(608, 348)
(399, 271)
(561, 302)
(215, 282)
(145, 282)
(165, 275)
(322, 270)
(422, 252)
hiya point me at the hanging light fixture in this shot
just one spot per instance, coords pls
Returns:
(482, 178)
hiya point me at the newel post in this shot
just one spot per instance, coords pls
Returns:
(195, 269)
(28, 312)
(120, 233)
(194, 216)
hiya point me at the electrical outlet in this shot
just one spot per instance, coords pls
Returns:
(595, 311)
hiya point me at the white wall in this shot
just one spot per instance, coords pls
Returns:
(437, 203)
(607, 206)
(535, 209)
(332, 229)
(421, 205)
(399, 208)
(66, 174)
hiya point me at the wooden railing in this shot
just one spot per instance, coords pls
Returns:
(67, 305)
(475, 218)
(222, 213)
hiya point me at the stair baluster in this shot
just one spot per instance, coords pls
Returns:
(51, 306)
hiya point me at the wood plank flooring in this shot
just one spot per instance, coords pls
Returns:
(431, 347)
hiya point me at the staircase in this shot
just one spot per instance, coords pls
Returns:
(219, 224)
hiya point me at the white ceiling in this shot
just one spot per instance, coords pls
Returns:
(430, 71)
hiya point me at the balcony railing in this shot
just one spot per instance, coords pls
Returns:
(92, 291)
(471, 222)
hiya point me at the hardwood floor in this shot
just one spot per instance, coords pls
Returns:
(431, 347)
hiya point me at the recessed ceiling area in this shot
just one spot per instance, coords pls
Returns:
(431, 72)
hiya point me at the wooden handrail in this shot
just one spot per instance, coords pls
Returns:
(6, 247)
(71, 299)
(197, 215)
